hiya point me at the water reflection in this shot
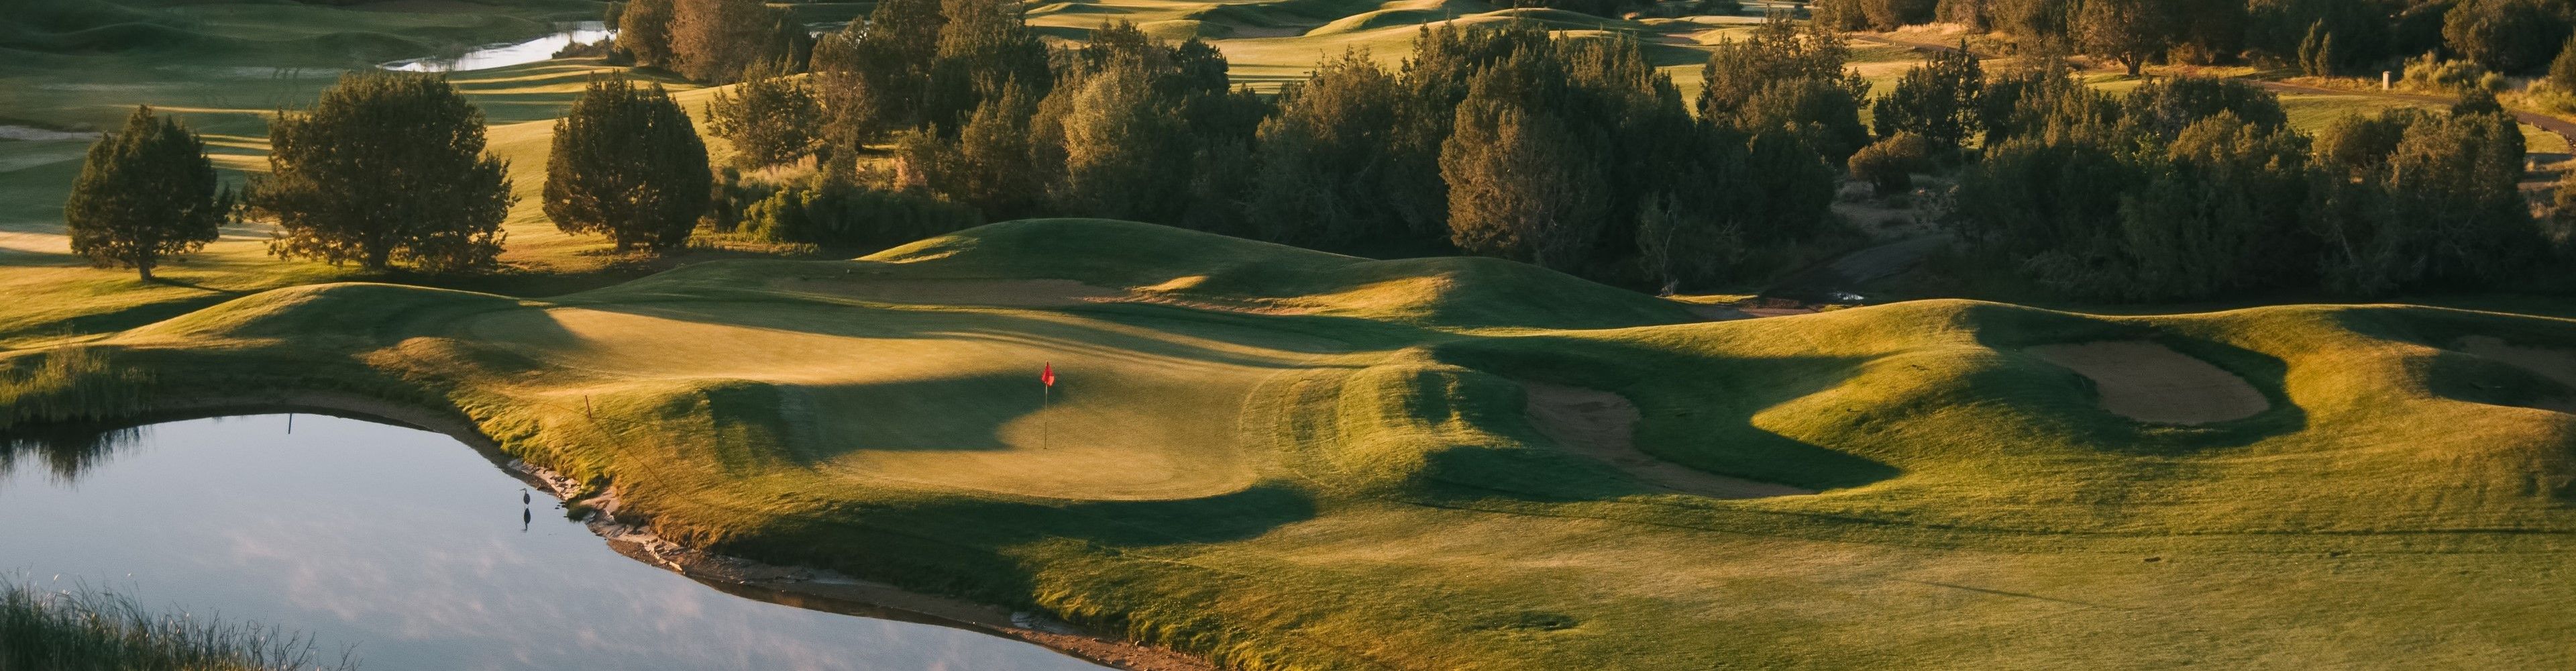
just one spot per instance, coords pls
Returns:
(66, 451)
(397, 541)
(509, 54)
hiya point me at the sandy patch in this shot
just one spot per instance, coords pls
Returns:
(1600, 424)
(2555, 364)
(2152, 383)
(997, 293)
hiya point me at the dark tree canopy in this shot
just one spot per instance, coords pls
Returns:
(627, 163)
(387, 167)
(146, 193)
(1937, 101)
(644, 30)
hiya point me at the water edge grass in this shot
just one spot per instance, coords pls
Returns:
(81, 628)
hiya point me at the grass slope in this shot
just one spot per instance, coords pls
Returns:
(1293, 460)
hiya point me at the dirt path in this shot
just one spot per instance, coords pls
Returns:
(1600, 425)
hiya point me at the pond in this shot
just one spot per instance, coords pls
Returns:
(409, 548)
(508, 54)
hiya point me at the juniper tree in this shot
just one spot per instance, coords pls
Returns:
(386, 167)
(770, 119)
(146, 193)
(627, 163)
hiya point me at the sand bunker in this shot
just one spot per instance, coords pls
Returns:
(2149, 382)
(2555, 364)
(1600, 424)
(999, 293)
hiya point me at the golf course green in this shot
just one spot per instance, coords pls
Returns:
(1282, 459)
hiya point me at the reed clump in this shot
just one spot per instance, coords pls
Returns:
(83, 629)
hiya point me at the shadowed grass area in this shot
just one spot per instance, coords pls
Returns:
(1299, 460)
(84, 629)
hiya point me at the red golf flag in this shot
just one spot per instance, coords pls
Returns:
(1048, 375)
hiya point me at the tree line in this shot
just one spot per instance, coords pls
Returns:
(2195, 188)
(2321, 37)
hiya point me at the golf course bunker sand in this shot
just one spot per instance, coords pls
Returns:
(2152, 383)
(1600, 425)
(996, 293)
(2556, 364)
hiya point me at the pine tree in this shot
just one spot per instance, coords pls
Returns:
(627, 163)
(770, 119)
(386, 167)
(146, 193)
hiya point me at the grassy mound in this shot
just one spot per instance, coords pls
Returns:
(1360, 481)
(1447, 291)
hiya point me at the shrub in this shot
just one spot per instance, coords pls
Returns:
(838, 214)
(1889, 164)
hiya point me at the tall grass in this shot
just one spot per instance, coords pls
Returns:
(74, 383)
(84, 630)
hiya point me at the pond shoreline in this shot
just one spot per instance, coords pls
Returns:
(812, 589)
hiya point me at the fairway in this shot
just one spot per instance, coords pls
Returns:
(1248, 455)
(1417, 470)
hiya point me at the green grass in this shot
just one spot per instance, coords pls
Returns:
(1293, 460)
(85, 629)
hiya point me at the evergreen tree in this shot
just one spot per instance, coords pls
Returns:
(145, 194)
(2316, 52)
(769, 118)
(644, 30)
(2510, 36)
(386, 167)
(1521, 186)
(871, 78)
(1327, 159)
(1937, 100)
(627, 163)
(714, 41)
(2562, 70)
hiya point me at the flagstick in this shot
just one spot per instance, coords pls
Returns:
(1046, 423)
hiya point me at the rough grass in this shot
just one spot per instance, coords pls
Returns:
(84, 629)
(1355, 486)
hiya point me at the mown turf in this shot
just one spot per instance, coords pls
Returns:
(1351, 484)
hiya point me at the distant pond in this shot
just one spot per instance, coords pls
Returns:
(409, 548)
(508, 54)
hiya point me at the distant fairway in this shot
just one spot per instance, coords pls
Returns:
(1366, 481)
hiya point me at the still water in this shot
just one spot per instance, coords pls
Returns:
(509, 54)
(411, 549)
